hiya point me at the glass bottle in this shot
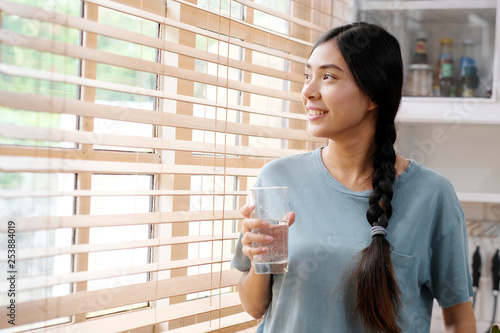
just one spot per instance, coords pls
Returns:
(467, 71)
(467, 59)
(442, 85)
(420, 53)
(446, 80)
(469, 82)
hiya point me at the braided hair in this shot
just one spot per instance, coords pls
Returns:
(374, 59)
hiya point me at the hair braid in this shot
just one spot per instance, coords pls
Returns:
(384, 174)
(374, 278)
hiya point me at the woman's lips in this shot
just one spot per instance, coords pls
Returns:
(313, 114)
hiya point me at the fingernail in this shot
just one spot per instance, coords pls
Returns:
(251, 206)
(264, 223)
(268, 238)
(264, 249)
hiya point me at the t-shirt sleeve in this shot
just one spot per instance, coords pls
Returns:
(240, 261)
(450, 276)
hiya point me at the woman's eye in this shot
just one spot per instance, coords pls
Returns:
(328, 76)
(307, 76)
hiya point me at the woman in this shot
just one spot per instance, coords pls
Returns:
(375, 237)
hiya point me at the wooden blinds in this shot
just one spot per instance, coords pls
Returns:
(129, 134)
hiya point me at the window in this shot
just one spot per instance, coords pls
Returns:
(129, 135)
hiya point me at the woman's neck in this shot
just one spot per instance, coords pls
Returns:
(351, 164)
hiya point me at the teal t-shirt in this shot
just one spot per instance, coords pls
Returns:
(427, 232)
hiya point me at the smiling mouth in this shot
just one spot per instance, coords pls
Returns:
(317, 112)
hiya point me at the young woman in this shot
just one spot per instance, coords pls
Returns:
(375, 237)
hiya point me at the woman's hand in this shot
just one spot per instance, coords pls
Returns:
(249, 236)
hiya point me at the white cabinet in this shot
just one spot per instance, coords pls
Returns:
(458, 137)
(455, 136)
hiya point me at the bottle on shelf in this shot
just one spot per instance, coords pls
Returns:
(420, 53)
(446, 80)
(443, 76)
(468, 80)
(467, 59)
(419, 80)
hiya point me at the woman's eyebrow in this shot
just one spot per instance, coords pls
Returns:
(326, 66)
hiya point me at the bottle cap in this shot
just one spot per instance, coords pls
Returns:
(469, 41)
(446, 40)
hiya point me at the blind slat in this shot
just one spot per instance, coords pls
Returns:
(44, 252)
(132, 320)
(124, 62)
(289, 18)
(89, 301)
(202, 32)
(57, 135)
(27, 11)
(271, 33)
(53, 280)
(11, 194)
(34, 164)
(33, 102)
(236, 321)
(81, 221)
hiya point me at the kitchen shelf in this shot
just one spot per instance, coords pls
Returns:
(415, 5)
(480, 197)
(458, 20)
(443, 110)
(467, 152)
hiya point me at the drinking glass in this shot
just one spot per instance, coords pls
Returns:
(271, 204)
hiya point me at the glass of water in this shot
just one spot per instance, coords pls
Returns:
(271, 204)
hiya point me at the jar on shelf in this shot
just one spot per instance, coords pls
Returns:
(419, 80)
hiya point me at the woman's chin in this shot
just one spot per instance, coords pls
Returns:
(316, 132)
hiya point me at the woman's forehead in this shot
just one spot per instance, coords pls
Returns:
(325, 55)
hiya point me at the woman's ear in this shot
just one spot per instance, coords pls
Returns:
(372, 106)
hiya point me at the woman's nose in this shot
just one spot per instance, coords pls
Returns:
(310, 91)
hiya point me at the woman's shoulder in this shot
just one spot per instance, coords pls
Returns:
(430, 178)
(432, 189)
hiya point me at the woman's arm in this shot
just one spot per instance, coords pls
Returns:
(255, 293)
(459, 319)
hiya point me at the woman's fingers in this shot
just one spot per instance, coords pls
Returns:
(290, 218)
(249, 224)
(253, 251)
(249, 238)
(246, 210)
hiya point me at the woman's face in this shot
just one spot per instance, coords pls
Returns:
(335, 106)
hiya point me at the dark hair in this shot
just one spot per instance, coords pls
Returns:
(374, 59)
